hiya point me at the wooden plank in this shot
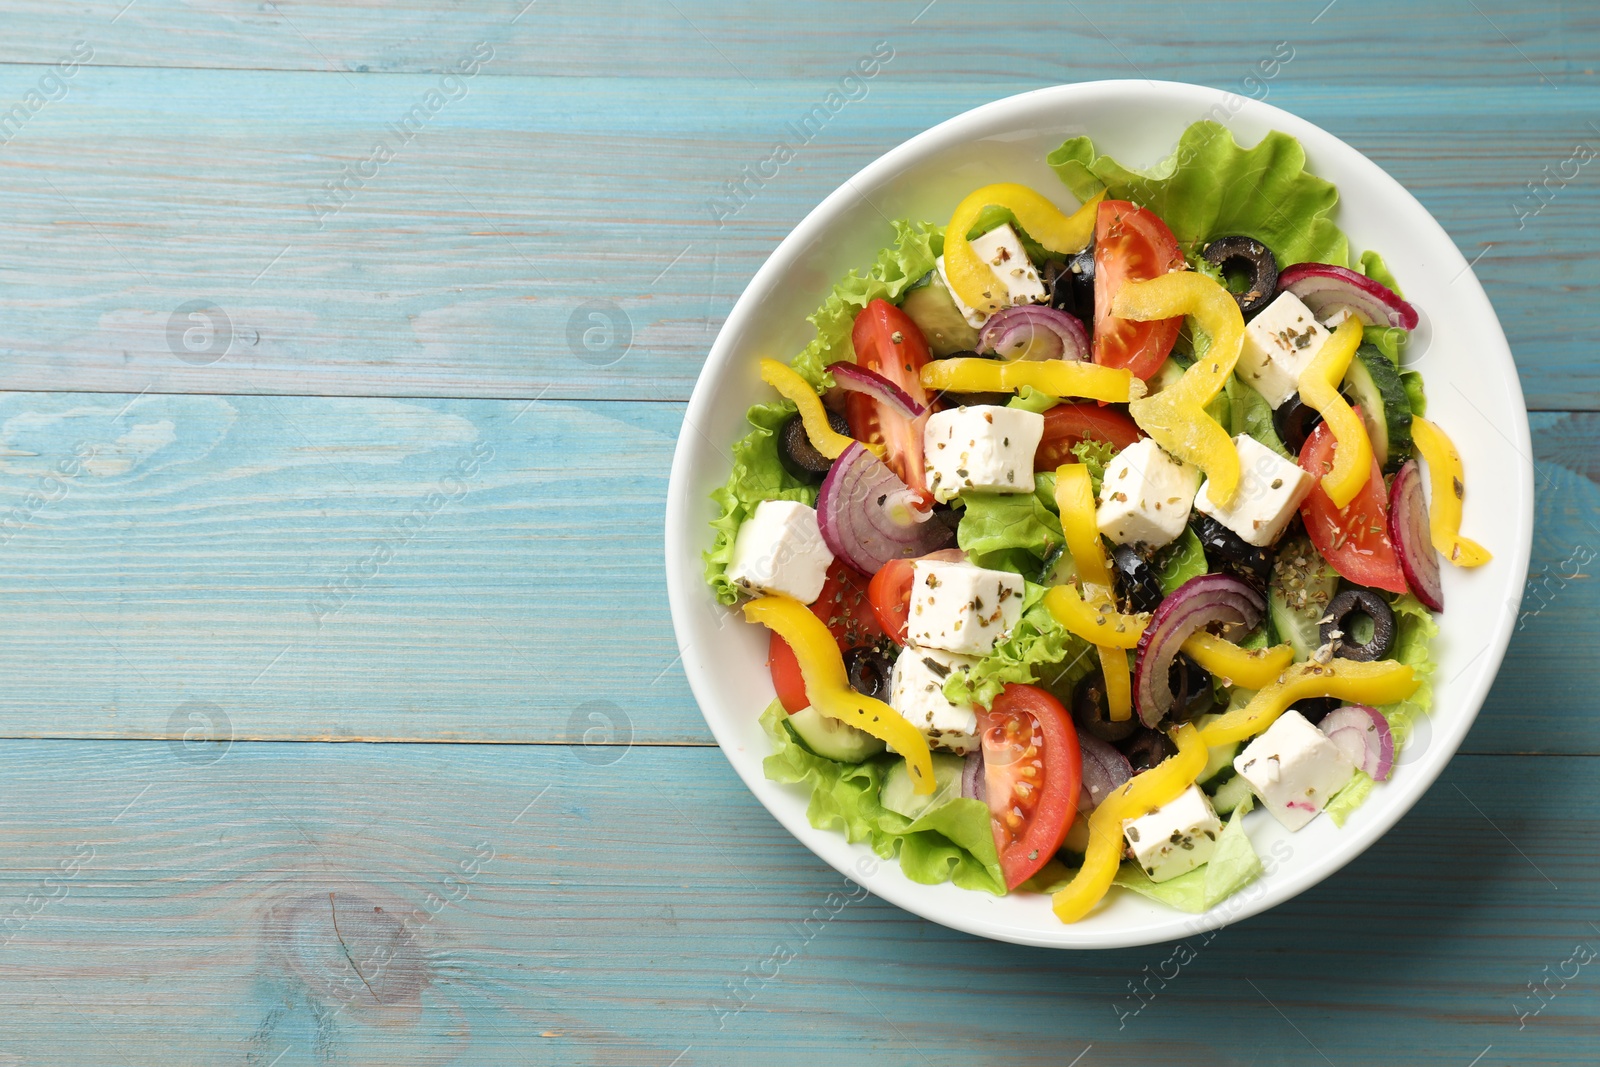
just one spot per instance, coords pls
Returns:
(341, 568)
(473, 262)
(1030, 40)
(538, 908)
(279, 565)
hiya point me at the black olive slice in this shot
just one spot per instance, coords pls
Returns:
(1138, 585)
(1248, 257)
(795, 452)
(1315, 709)
(1092, 712)
(1343, 614)
(1232, 553)
(869, 671)
(1146, 748)
(1294, 420)
(1191, 688)
(1072, 285)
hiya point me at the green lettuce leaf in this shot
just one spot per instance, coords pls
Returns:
(1350, 796)
(1415, 630)
(953, 842)
(757, 475)
(1182, 560)
(1249, 413)
(1233, 866)
(1009, 531)
(1095, 454)
(908, 259)
(1210, 188)
(1416, 399)
(1392, 343)
(1030, 399)
(1038, 650)
(1385, 339)
(1373, 266)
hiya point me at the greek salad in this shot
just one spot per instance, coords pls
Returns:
(1082, 533)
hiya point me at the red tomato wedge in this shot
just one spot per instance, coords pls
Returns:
(843, 605)
(890, 596)
(1032, 771)
(1066, 425)
(786, 675)
(888, 342)
(1131, 245)
(1354, 539)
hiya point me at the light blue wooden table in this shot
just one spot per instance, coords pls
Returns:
(301, 446)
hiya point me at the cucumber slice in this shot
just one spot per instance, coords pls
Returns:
(1167, 375)
(1231, 794)
(1302, 585)
(1219, 761)
(897, 793)
(934, 310)
(832, 739)
(1374, 383)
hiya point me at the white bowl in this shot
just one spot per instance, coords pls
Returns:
(1473, 393)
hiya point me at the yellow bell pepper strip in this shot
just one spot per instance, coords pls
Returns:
(1099, 624)
(969, 276)
(1075, 500)
(822, 668)
(1444, 510)
(1057, 377)
(1138, 796)
(1319, 388)
(812, 414)
(1379, 682)
(1119, 682)
(1248, 668)
(1176, 417)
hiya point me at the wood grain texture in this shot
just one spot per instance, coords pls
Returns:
(272, 472)
(469, 263)
(335, 568)
(464, 570)
(541, 909)
(1035, 40)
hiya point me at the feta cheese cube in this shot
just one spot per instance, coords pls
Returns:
(1017, 280)
(1294, 769)
(917, 693)
(1176, 838)
(1270, 491)
(1145, 496)
(1279, 344)
(779, 549)
(961, 608)
(989, 449)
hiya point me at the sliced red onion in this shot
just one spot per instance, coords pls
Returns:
(972, 783)
(1413, 542)
(868, 516)
(1325, 289)
(1104, 768)
(1034, 331)
(853, 379)
(1363, 734)
(1196, 604)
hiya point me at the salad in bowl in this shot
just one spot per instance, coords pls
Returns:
(1099, 522)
